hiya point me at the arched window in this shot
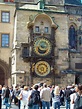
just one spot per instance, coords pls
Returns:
(72, 37)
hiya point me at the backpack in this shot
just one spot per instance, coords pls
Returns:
(35, 97)
(78, 102)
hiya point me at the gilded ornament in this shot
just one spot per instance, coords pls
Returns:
(42, 46)
(42, 68)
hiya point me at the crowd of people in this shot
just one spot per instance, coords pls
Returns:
(41, 96)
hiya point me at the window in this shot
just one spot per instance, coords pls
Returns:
(36, 28)
(72, 37)
(46, 30)
(78, 65)
(25, 52)
(5, 17)
(5, 40)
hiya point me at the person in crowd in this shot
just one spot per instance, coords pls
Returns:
(78, 101)
(7, 97)
(73, 88)
(0, 96)
(20, 97)
(24, 98)
(45, 96)
(30, 91)
(52, 95)
(39, 89)
(35, 98)
(68, 92)
(56, 99)
(62, 94)
(73, 97)
(3, 94)
(12, 93)
(16, 94)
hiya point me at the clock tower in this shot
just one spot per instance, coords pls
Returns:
(42, 43)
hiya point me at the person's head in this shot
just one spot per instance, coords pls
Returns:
(4, 86)
(73, 85)
(53, 86)
(68, 87)
(35, 87)
(25, 88)
(76, 88)
(56, 91)
(80, 88)
(7, 87)
(44, 85)
(22, 86)
(41, 84)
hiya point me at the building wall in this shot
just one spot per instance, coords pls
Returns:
(61, 37)
(6, 28)
(62, 61)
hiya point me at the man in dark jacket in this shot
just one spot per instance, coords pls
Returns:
(35, 97)
(7, 97)
(67, 97)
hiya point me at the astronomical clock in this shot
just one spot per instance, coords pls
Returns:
(42, 47)
(42, 36)
(42, 68)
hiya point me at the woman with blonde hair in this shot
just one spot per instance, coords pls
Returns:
(24, 98)
(56, 99)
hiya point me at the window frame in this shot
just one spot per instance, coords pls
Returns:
(6, 20)
(72, 37)
(25, 51)
(37, 28)
(5, 41)
(46, 29)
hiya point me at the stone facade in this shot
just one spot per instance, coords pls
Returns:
(59, 65)
(47, 43)
(5, 52)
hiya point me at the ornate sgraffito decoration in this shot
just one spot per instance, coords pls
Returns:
(42, 46)
(42, 68)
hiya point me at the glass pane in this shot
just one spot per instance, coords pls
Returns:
(37, 29)
(5, 16)
(72, 37)
(5, 40)
(46, 29)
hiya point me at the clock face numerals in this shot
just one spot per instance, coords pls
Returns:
(42, 68)
(42, 46)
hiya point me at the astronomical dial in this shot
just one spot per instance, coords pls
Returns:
(42, 46)
(42, 68)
